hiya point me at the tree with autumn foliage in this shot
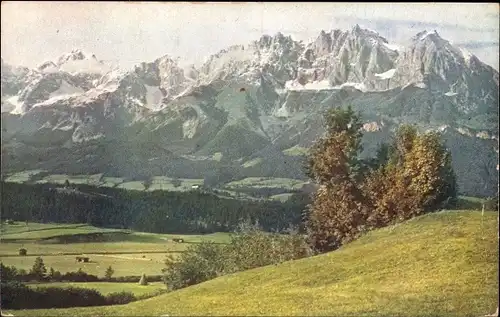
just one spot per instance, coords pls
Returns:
(337, 212)
(417, 177)
(408, 177)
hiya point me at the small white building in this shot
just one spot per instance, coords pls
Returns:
(195, 187)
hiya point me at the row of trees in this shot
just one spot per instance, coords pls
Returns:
(410, 176)
(158, 211)
(39, 273)
(16, 295)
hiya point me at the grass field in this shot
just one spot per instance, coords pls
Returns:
(442, 264)
(281, 197)
(296, 151)
(472, 203)
(106, 288)
(123, 264)
(254, 162)
(266, 182)
(163, 183)
(129, 253)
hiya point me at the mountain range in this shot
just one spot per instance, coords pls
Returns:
(250, 110)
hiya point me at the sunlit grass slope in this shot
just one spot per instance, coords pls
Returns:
(443, 264)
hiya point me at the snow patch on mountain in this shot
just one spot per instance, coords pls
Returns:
(18, 106)
(153, 96)
(393, 47)
(423, 35)
(466, 54)
(386, 75)
(66, 89)
(450, 93)
(315, 85)
(282, 112)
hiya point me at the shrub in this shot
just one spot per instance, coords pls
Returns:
(18, 296)
(249, 248)
(7, 273)
(200, 262)
(78, 276)
(15, 295)
(23, 252)
(120, 298)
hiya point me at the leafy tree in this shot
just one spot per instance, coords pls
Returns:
(7, 273)
(38, 270)
(337, 212)
(417, 178)
(338, 149)
(410, 176)
(109, 273)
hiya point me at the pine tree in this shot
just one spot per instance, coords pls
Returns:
(38, 270)
(51, 273)
(109, 273)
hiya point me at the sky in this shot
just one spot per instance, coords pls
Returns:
(128, 33)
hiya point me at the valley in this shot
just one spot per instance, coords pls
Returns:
(249, 159)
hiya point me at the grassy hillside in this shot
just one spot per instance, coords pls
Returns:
(443, 264)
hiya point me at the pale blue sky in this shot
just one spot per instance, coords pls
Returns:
(34, 32)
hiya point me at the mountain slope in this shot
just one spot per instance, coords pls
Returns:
(443, 264)
(251, 102)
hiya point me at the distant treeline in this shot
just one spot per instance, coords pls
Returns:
(156, 211)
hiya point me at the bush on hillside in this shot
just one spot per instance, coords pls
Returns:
(23, 252)
(249, 248)
(120, 298)
(201, 262)
(15, 295)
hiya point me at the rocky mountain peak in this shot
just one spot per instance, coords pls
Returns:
(75, 55)
(47, 65)
(426, 35)
(275, 41)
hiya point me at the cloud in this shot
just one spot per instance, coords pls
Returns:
(478, 44)
(34, 32)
